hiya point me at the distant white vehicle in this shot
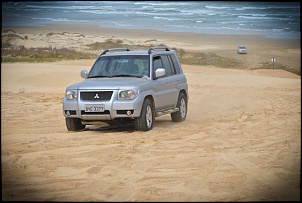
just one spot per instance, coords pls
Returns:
(241, 49)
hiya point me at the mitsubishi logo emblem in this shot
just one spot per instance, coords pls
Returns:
(96, 96)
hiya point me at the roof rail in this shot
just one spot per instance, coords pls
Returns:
(114, 49)
(162, 48)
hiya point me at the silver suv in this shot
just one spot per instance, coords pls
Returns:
(128, 86)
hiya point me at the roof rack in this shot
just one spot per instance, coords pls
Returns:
(162, 48)
(114, 49)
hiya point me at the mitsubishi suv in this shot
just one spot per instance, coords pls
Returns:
(128, 86)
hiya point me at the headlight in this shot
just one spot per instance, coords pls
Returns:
(127, 94)
(71, 95)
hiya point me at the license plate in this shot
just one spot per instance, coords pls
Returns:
(94, 108)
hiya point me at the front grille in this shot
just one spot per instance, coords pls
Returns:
(96, 96)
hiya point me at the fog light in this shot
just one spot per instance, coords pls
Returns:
(129, 113)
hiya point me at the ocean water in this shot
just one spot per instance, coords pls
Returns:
(272, 19)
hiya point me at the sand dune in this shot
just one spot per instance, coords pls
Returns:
(241, 140)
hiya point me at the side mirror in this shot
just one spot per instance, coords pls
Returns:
(84, 74)
(160, 72)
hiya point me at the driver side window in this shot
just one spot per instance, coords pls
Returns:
(157, 63)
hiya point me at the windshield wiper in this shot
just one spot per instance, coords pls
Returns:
(110, 76)
(99, 76)
(126, 75)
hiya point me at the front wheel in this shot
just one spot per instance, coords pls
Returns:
(74, 124)
(182, 105)
(146, 120)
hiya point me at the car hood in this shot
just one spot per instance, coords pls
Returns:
(109, 83)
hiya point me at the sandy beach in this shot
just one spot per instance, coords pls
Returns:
(241, 140)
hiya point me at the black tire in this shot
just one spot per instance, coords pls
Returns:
(183, 109)
(74, 124)
(146, 120)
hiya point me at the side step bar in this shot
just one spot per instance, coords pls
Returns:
(166, 111)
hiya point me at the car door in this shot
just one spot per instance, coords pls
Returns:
(166, 93)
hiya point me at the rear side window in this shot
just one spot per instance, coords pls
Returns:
(176, 64)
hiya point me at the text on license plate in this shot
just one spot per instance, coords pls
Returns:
(94, 108)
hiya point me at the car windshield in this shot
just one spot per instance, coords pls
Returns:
(241, 47)
(120, 66)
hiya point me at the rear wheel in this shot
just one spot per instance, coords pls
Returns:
(74, 124)
(182, 105)
(146, 120)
